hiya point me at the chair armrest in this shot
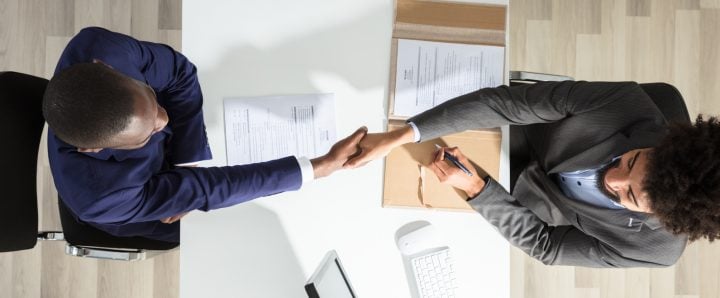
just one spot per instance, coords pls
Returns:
(516, 75)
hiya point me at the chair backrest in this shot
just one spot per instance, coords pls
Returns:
(669, 100)
(21, 126)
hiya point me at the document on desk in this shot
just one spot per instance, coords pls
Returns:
(430, 73)
(270, 127)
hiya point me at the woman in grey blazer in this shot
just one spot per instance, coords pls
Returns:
(655, 187)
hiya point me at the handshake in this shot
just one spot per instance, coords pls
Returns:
(362, 147)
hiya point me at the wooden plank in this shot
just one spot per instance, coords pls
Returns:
(446, 14)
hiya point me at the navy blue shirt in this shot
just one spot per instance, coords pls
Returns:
(127, 192)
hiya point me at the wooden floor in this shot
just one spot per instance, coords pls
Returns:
(673, 41)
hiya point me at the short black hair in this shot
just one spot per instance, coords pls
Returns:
(683, 179)
(88, 103)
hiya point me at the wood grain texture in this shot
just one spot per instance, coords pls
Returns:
(638, 8)
(451, 14)
(61, 17)
(170, 15)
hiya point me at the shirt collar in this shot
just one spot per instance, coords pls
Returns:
(121, 154)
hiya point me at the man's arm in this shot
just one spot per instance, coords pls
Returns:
(543, 102)
(561, 245)
(175, 80)
(173, 192)
(321, 166)
(170, 193)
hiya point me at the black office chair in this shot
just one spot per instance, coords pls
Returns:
(21, 126)
(666, 97)
(87, 241)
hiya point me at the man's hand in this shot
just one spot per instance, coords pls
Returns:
(338, 154)
(450, 174)
(378, 145)
(173, 219)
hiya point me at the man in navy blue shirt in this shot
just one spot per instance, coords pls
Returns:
(125, 122)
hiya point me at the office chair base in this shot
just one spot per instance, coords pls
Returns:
(105, 253)
(50, 236)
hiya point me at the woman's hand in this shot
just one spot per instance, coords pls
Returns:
(448, 173)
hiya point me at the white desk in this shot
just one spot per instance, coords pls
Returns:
(270, 246)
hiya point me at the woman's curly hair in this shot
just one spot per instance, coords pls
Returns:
(683, 179)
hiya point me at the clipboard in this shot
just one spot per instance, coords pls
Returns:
(407, 182)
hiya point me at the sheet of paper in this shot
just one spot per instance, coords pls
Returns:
(270, 127)
(430, 73)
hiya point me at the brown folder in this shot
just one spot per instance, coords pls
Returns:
(408, 183)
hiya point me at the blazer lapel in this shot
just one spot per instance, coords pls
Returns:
(643, 135)
(616, 145)
(595, 155)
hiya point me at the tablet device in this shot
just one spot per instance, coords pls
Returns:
(329, 280)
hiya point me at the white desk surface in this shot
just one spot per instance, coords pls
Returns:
(270, 246)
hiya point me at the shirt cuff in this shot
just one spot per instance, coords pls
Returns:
(416, 131)
(306, 169)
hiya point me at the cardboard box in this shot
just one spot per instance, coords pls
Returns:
(408, 183)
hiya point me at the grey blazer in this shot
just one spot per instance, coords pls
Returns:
(568, 126)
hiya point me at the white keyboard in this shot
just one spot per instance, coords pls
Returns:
(434, 275)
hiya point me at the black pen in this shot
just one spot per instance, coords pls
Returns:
(455, 161)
